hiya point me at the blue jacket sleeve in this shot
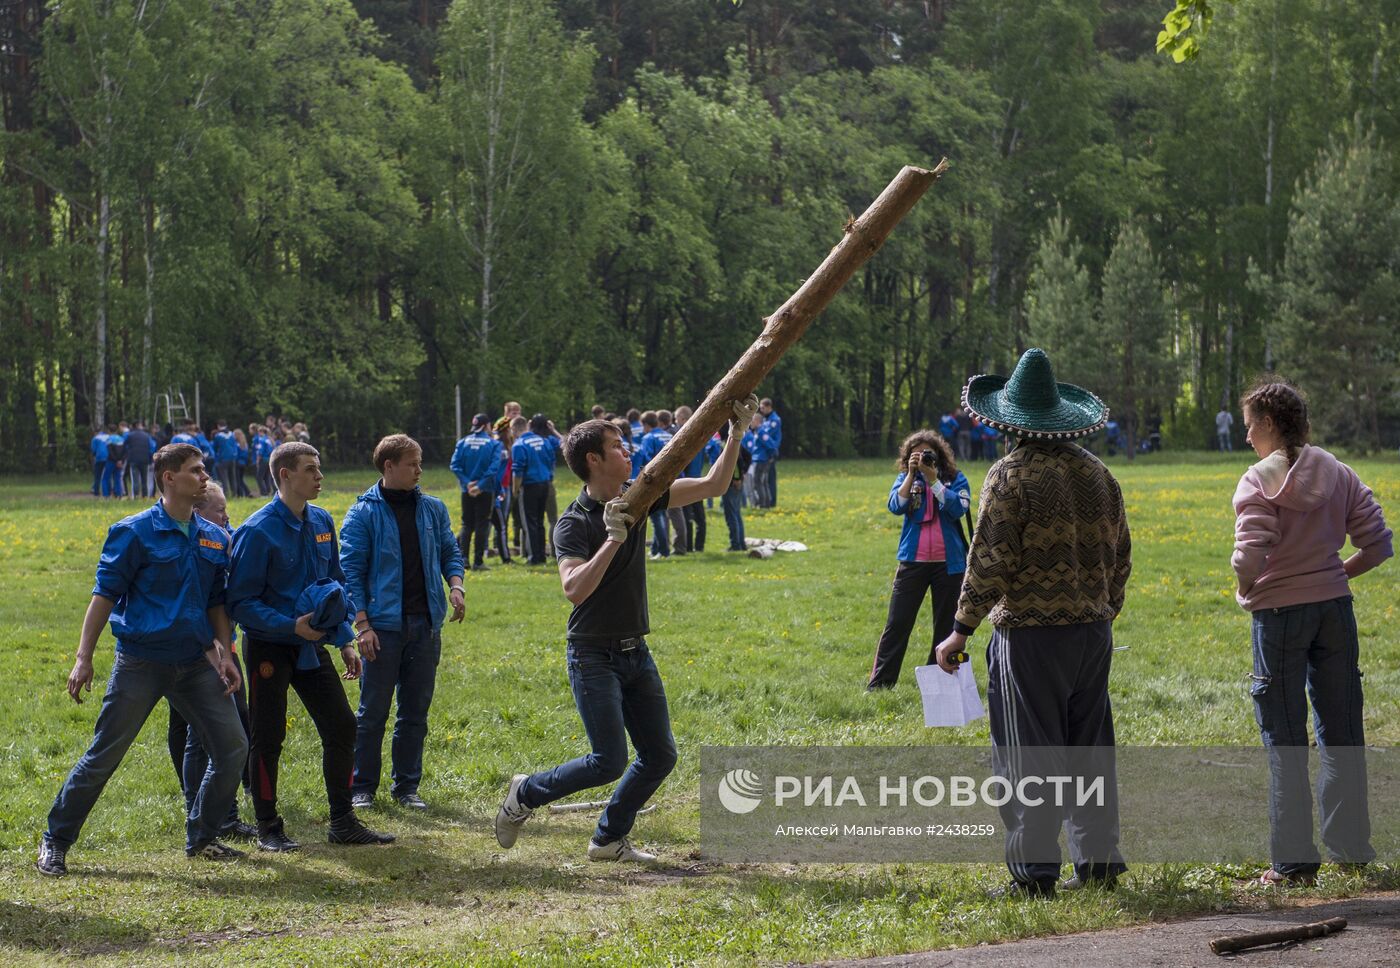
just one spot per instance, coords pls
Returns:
(897, 504)
(355, 554)
(957, 498)
(519, 459)
(449, 553)
(247, 577)
(121, 558)
(459, 463)
(490, 480)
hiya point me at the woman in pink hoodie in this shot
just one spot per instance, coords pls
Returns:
(1294, 510)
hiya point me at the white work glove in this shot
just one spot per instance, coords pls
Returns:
(617, 520)
(744, 411)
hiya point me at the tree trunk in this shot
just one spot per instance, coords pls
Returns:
(104, 270)
(863, 238)
(145, 405)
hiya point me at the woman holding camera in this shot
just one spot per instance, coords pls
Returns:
(932, 495)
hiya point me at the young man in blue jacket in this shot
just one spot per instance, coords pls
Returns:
(477, 464)
(226, 458)
(532, 466)
(618, 691)
(652, 443)
(161, 582)
(97, 447)
(284, 548)
(397, 549)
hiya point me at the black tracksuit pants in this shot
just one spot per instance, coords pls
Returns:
(913, 580)
(535, 498)
(1047, 698)
(476, 525)
(271, 671)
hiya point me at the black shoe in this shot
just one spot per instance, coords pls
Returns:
(412, 801)
(481, 566)
(277, 841)
(238, 830)
(1021, 890)
(51, 858)
(349, 830)
(362, 801)
(215, 851)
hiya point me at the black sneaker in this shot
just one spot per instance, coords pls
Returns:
(238, 830)
(349, 830)
(277, 841)
(412, 801)
(51, 858)
(362, 801)
(215, 851)
(1021, 890)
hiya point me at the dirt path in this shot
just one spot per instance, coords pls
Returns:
(1372, 938)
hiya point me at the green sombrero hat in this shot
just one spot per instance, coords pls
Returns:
(1031, 404)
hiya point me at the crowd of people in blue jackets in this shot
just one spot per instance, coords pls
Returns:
(122, 453)
(505, 470)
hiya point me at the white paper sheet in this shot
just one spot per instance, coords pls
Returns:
(948, 700)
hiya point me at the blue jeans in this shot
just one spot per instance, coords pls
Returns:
(112, 480)
(660, 543)
(733, 517)
(762, 483)
(618, 694)
(99, 471)
(135, 687)
(1312, 648)
(407, 662)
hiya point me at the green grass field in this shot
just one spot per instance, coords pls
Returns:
(752, 652)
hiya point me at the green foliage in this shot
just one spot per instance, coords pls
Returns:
(1183, 29)
(1138, 380)
(1338, 289)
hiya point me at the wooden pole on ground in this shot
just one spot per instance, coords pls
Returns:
(863, 238)
(1243, 942)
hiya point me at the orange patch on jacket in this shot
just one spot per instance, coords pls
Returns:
(211, 543)
(324, 537)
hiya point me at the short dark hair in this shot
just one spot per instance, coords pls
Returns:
(663, 418)
(287, 456)
(634, 415)
(539, 424)
(393, 447)
(171, 458)
(649, 418)
(598, 410)
(589, 437)
(623, 427)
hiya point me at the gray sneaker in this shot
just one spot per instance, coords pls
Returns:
(619, 850)
(51, 858)
(362, 801)
(412, 801)
(512, 814)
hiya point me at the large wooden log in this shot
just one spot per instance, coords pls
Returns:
(863, 238)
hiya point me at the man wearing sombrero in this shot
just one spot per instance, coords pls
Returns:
(1048, 564)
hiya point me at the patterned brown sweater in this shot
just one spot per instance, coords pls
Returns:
(1052, 544)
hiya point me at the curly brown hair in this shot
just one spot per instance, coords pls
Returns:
(1285, 405)
(943, 462)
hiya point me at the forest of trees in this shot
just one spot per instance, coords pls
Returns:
(341, 210)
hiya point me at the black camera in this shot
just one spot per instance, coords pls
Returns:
(926, 458)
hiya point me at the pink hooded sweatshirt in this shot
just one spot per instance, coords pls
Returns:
(1290, 524)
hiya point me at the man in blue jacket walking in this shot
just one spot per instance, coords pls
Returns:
(477, 464)
(287, 546)
(161, 582)
(397, 548)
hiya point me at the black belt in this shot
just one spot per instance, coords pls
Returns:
(612, 645)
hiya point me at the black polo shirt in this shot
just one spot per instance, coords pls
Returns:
(617, 609)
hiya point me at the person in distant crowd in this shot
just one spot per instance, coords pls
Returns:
(933, 496)
(749, 495)
(161, 582)
(948, 426)
(97, 448)
(1294, 511)
(503, 504)
(1049, 565)
(187, 752)
(990, 439)
(533, 458)
(731, 501)
(676, 517)
(1113, 437)
(226, 457)
(616, 686)
(598, 411)
(116, 462)
(773, 427)
(518, 427)
(477, 464)
(281, 559)
(965, 429)
(652, 443)
(647, 423)
(764, 453)
(206, 447)
(1224, 421)
(188, 434)
(263, 446)
(397, 549)
(240, 478)
(140, 449)
(161, 436)
(634, 421)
